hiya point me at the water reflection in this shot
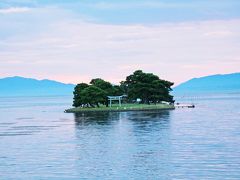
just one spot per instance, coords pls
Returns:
(104, 118)
(150, 119)
(93, 118)
(137, 121)
(125, 144)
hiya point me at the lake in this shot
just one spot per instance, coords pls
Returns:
(39, 141)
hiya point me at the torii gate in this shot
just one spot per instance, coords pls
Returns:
(116, 98)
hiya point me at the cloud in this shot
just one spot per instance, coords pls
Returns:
(13, 10)
(69, 49)
(217, 34)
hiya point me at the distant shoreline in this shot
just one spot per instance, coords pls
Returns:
(123, 108)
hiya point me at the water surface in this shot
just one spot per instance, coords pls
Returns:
(39, 141)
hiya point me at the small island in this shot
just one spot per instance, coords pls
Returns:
(139, 92)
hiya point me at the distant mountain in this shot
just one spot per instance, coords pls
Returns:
(214, 83)
(20, 86)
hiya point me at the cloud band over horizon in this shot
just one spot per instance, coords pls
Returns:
(56, 42)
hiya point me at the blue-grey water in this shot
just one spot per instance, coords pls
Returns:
(39, 141)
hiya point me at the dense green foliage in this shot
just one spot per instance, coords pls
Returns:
(95, 93)
(111, 90)
(77, 96)
(147, 87)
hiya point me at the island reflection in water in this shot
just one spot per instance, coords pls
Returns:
(130, 144)
(107, 118)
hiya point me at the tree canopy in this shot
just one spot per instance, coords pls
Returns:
(77, 96)
(111, 90)
(94, 93)
(139, 85)
(148, 87)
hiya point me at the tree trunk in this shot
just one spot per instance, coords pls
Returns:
(107, 103)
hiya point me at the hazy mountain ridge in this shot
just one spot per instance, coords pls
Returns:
(20, 86)
(213, 83)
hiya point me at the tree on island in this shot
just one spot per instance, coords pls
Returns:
(148, 87)
(139, 85)
(111, 90)
(77, 96)
(94, 94)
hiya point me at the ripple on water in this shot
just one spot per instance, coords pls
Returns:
(12, 129)
(25, 118)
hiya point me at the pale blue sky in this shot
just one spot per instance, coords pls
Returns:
(74, 41)
(139, 11)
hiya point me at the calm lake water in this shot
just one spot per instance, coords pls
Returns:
(39, 141)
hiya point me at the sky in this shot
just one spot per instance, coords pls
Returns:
(73, 41)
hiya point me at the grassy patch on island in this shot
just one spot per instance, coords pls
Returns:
(124, 107)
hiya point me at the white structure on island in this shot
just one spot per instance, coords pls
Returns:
(116, 98)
